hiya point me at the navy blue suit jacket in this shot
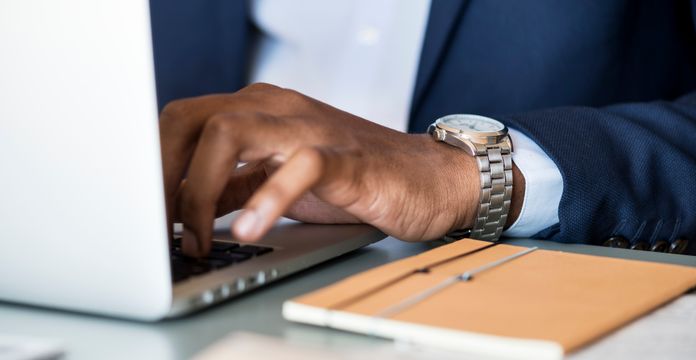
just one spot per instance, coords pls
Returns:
(605, 87)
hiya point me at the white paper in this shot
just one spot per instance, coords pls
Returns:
(249, 346)
(25, 348)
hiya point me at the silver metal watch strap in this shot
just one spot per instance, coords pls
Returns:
(495, 164)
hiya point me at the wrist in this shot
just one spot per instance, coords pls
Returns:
(462, 183)
(459, 183)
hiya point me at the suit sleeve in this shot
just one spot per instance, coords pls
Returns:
(628, 170)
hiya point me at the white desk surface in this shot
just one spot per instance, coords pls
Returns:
(669, 334)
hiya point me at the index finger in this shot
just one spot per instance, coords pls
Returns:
(224, 138)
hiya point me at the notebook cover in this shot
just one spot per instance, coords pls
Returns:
(546, 301)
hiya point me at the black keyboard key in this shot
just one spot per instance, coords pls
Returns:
(231, 257)
(221, 246)
(175, 246)
(221, 255)
(219, 263)
(189, 266)
(214, 246)
(253, 250)
(176, 276)
(195, 267)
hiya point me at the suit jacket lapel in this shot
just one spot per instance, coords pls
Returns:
(444, 14)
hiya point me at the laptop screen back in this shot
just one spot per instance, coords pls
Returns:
(82, 219)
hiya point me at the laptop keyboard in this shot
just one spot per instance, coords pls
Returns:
(222, 254)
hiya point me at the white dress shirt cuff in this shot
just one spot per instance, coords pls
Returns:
(543, 187)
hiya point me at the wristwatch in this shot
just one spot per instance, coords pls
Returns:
(487, 140)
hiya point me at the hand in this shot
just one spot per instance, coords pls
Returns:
(308, 161)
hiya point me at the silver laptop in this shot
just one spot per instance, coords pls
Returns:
(82, 217)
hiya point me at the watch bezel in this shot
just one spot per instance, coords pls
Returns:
(479, 137)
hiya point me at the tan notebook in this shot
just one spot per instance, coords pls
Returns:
(495, 299)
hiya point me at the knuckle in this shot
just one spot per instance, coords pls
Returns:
(312, 159)
(178, 115)
(261, 86)
(220, 124)
(310, 155)
(294, 96)
(174, 110)
(233, 125)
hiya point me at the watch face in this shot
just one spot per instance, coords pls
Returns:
(469, 123)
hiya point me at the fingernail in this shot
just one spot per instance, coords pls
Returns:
(247, 223)
(189, 243)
